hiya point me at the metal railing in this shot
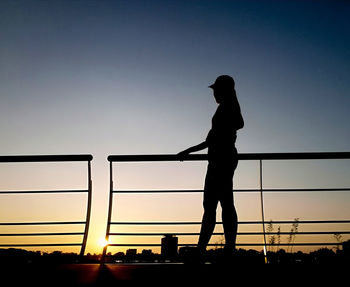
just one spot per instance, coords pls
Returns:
(86, 223)
(260, 157)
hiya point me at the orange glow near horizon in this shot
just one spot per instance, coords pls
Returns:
(102, 242)
(167, 206)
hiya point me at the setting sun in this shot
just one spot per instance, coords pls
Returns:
(102, 242)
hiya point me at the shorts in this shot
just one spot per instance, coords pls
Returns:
(219, 182)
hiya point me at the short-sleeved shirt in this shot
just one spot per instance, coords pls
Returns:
(222, 136)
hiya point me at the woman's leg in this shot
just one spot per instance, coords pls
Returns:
(210, 202)
(230, 224)
(208, 225)
(229, 214)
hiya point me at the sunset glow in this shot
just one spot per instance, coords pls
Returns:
(132, 77)
(102, 242)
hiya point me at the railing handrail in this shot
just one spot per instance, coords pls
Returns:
(52, 158)
(46, 158)
(260, 157)
(242, 156)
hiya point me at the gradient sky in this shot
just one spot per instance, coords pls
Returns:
(131, 77)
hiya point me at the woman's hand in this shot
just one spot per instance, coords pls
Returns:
(183, 154)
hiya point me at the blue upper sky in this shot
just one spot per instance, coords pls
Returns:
(115, 77)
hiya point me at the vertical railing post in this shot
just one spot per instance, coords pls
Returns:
(109, 217)
(262, 209)
(88, 211)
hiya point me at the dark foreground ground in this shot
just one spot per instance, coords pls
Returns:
(171, 274)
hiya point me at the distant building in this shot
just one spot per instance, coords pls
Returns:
(131, 252)
(147, 252)
(169, 246)
(130, 255)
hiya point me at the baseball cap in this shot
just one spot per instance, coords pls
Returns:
(223, 81)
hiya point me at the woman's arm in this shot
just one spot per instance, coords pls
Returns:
(195, 148)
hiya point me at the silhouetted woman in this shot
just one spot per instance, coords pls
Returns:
(222, 162)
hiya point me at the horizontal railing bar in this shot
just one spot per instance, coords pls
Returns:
(158, 191)
(46, 244)
(241, 156)
(45, 158)
(42, 191)
(238, 244)
(42, 234)
(154, 157)
(154, 223)
(221, 233)
(170, 191)
(235, 190)
(43, 223)
(299, 189)
(240, 222)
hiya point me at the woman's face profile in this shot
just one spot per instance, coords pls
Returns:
(218, 95)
